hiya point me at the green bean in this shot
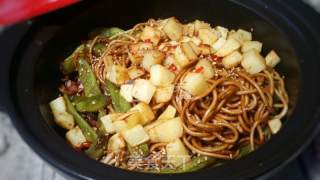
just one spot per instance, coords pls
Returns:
(109, 32)
(67, 65)
(118, 102)
(98, 49)
(91, 104)
(139, 151)
(87, 78)
(196, 163)
(86, 129)
(98, 148)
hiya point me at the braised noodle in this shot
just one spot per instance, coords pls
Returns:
(233, 111)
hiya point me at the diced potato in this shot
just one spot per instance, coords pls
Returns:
(137, 51)
(228, 47)
(249, 45)
(134, 119)
(117, 74)
(241, 35)
(135, 72)
(146, 112)
(75, 137)
(107, 122)
(164, 94)
(173, 29)
(274, 125)
(177, 153)
(207, 36)
(232, 60)
(168, 113)
(218, 44)
(272, 59)
(194, 47)
(245, 35)
(167, 131)
(222, 31)
(195, 84)
(253, 62)
(208, 71)
(161, 76)
(188, 29)
(169, 61)
(201, 25)
(152, 57)
(61, 116)
(187, 49)
(180, 57)
(135, 136)
(120, 125)
(116, 143)
(126, 92)
(152, 34)
(205, 49)
(143, 90)
(196, 40)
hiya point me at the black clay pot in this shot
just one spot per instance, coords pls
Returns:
(29, 75)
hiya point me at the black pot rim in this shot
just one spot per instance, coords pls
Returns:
(51, 156)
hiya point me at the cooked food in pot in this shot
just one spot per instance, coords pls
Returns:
(167, 97)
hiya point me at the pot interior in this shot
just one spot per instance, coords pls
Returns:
(55, 36)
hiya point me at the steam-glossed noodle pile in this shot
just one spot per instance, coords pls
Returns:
(170, 97)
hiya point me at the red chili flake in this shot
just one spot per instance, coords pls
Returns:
(199, 69)
(174, 46)
(215, 58)
(172, 68)
(85, 145)
(147, 41)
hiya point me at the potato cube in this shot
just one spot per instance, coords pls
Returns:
(194, 47)
(120, 125)
(161, 76)
(204, 49)
(272, 59)
(241, 35)
(196, 40)
(135, 72)
(164, 94)
(171, 61)
(232, 60)
(248, 45)
(143, 90)
(177, 153)
(135, 136)
(187, 49)
(126, 92)
(166, 131)
(253, 62)
(107, 122)
(228, 47)
(181, 57)
(146, 112)
(60, 114)
(75, 137)
(152, 57)
(116, 143)
(222, 31)
(188, 29)
(168, 113)
(117, 74)
(218, 44)
(207, 36)
(245, 35)
(208, 71)
(274, 125)
(173, 29)
(201, 25)
(151, 34)
(134, 119)
(195, 84)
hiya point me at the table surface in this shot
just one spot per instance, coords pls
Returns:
(18, 161)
